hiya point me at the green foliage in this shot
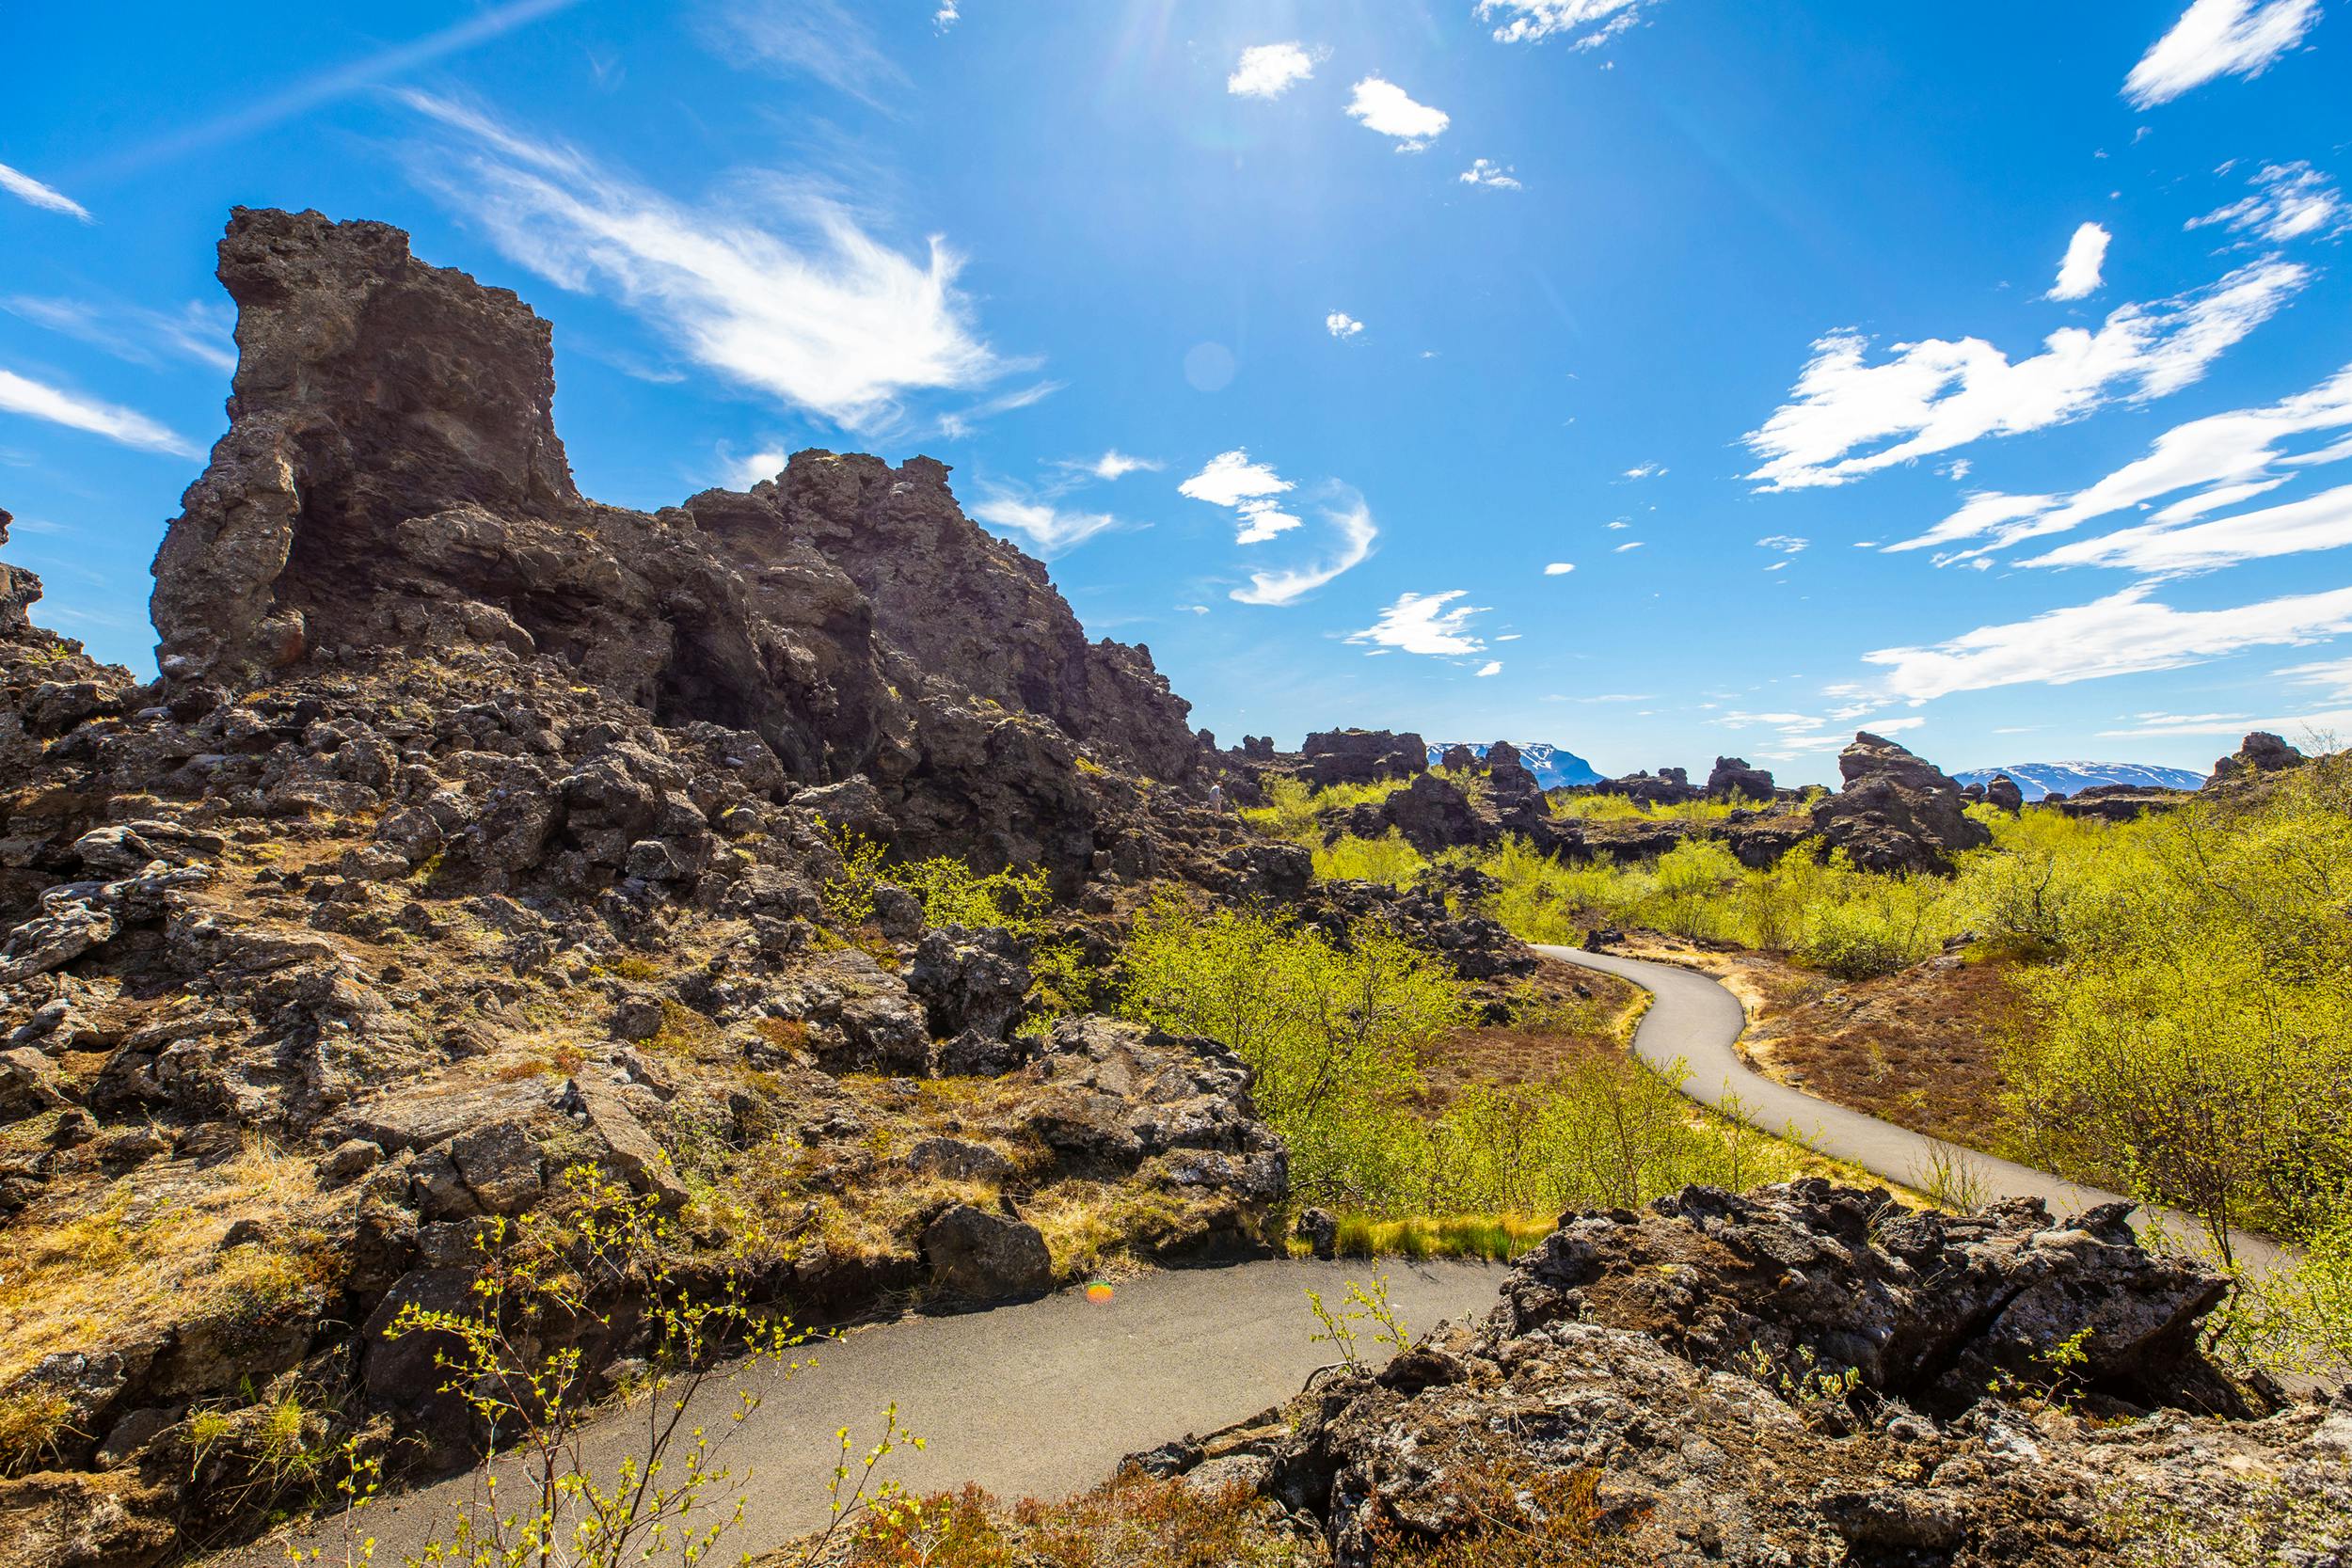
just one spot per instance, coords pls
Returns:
(1359, 1306)
(1583, 806)
(1291, 806)
(2191, 1040)
(1333, 1032)
(1813, 907)
(1387, 859)
(849, 898)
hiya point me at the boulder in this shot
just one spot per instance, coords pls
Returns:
(1731, 778)
(2002, 791)
(2259, 753)
(975, 980)
(1363, 757)
(1896, 811)
(1690, 1362)
(986, 1256)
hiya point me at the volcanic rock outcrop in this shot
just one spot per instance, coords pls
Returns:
(477, 835)
(2259, 753)
(1805, 1376)
(391, 480)
(1895, 811)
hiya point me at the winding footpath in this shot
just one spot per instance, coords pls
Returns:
(1696, 1023)
(1044, 1398)
(1037, 1399)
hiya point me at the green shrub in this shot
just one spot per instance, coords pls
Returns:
(1388, 859)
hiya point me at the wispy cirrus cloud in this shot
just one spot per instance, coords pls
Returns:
(1051, 530)
(1270, 69)
(47, 198)
(2210, 463)
(818, 39)
(1381, 106)
(40, 400)
(1115, 465)
(1584, 24)
(819, 314)
(1353, 533)
(2218, 37)
(2124, 633)
(1847, 418)
(2291, 201)
(2079, 270)
(143, 337)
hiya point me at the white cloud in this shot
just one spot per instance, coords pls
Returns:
(1635, 545)
(2321, 724)
(1618, 524)
(2125, 633)
(1645, 471)
(1050, 531)
(1493, 667)
(1384, 107)
(1786, 543)
(946, 16)
(2217, 461)
(36, 400)
(1510, 637)
(1485, 171)
(1559, 568)
(2290, 201)
(1935, 395)
(1351, 523)
(828, 319)
(1341, 325)
(2078, 274)
(1115, 464)
(2335, 676)
(1428, 623)
(1270, 69)
(1586, 24)
(198, 332)
(2321, 522)
(47, 198)
(1230, 478)
(1804, 735)
(752, 469)
(2216, 38)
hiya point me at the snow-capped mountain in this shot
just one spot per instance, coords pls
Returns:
(2036, 778)
(1553, 766)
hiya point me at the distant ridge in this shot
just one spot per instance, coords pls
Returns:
(2036, 778)
(1553, 766)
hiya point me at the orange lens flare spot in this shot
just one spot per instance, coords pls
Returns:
(1098, 1292)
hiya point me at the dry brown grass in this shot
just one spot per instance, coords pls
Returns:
(99, 1265)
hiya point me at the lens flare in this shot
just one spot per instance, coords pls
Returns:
(1098, 1292)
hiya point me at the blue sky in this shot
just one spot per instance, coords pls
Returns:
(1977, 373)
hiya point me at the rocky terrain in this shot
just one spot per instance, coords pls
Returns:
(475, 832)
(1810, 1374)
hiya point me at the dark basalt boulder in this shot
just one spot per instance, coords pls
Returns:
(2002, 791)
(1363, 757)
(1895, 811)
(1458, 758)
(1732, 778)
(1668, 786)
(1692, 1360)
(2259, 753)
(2115, 802)
(391, 480)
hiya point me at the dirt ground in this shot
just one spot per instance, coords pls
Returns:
(1586, 1013)
(1921, 1048)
